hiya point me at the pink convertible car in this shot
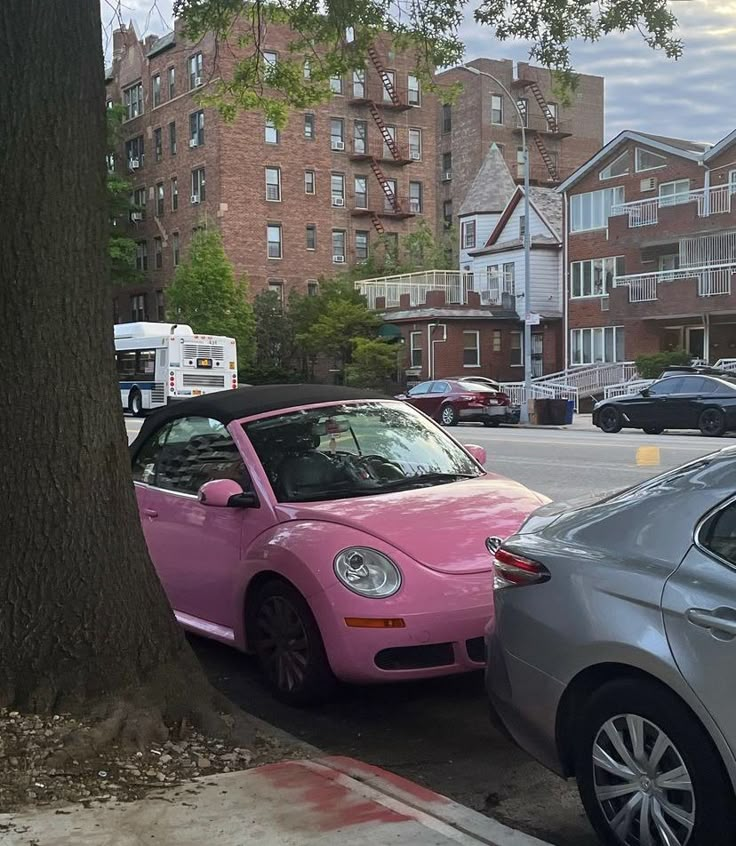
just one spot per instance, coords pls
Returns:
(332, 533)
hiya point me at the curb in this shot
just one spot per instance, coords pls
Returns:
(483, 829)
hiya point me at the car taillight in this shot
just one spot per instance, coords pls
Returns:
(511, 570)
(503, 399)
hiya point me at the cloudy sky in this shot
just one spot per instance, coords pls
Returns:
(692, 98)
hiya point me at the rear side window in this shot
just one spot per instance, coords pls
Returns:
(417, 390)
(439, 388)
(719, 534)
(724, 389)
(694, 385)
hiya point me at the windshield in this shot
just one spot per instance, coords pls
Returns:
(344, 451)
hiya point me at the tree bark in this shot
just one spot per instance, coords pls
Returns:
(83, 618)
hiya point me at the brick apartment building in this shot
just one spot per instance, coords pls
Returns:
(561, 137)
(651, 250)
(292, 204)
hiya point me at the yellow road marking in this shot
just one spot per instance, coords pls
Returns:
(648, 456)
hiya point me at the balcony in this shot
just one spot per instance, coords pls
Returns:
(411, 290)
(712, 281)
(539, 123)
(710, 201)
(376, 93)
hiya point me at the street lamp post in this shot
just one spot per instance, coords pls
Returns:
(524, 410)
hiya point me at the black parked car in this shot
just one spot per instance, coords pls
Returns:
(686, 399)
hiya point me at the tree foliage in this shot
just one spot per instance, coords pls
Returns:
(334, 36)
(374, 362)
(206, 295)
(651, 366)
(121, 248)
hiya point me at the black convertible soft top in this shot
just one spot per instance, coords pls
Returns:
(227, 406)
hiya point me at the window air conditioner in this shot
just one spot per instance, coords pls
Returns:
(193, 142)
(338, 145)
(195, 199)
(447, 176)
(198, 81)
(136, 217)
(134, 164)
(338, 259)
(338, 202)
(648, 184)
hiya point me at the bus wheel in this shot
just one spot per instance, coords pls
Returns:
(135, 403)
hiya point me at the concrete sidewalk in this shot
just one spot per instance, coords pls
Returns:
(328, 801)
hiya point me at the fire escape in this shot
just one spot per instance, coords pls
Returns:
(387, 98)
(549, 126)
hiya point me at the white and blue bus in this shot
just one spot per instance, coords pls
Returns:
(160, 362)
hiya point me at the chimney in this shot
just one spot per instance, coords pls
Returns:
(149, 42)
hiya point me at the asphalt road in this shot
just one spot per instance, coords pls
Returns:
(438, 733)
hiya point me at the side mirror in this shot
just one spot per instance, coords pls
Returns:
(401, 396)
(226, 493)
(644, 392)
(478, 453)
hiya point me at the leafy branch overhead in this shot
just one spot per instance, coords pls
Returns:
(331, 38)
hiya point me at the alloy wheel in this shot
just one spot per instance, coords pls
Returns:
(610, 420)
(710, 421)
(282, 643)
(642, 784)
(448, 415)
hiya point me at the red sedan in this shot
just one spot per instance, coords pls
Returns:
(452, 401)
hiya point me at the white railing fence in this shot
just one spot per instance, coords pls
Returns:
(713, 280)
(710, 201)
(517, 392)
(623, 388)
(454, 284)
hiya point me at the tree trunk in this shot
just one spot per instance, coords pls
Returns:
(83, 618)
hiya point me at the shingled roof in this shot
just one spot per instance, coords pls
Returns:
(492, 187)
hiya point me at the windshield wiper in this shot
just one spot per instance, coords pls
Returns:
(427, 478)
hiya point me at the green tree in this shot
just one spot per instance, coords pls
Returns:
(206, 295)
(275, 352)
(121, 248)
(374, 363)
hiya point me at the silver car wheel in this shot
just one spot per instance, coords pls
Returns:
(642, 784)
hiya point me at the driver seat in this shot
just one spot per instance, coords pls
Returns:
(307, 474)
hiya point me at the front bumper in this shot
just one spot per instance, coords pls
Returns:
(445, 637)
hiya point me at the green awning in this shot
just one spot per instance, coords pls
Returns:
(389, 332)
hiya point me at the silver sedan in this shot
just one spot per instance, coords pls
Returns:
(612, 653)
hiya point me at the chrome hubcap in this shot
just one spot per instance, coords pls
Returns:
(642, 784)
(447, 415)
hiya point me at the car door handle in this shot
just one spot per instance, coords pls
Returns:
(149, 512)
(720, 620)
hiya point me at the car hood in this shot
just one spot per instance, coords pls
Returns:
(443, 527)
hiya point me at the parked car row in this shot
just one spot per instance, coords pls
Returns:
(457, 400)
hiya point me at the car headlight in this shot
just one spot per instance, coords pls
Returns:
(367, 572)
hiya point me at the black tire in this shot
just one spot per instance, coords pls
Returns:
(135, 403)
(708, 798)
(653, 430)
(712, 423)
(448, 415)
(299, 674)
(610, 420)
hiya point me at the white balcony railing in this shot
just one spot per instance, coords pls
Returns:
(713, 281)
(646, 212)
(494, 289)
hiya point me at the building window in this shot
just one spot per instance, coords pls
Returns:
(468, 232)
(307, 69)
(158, 144)
(337, 188)
(337, 134)
(391, 247)
(139, 202)
(359, 84)
(311, 236)
(361, 246)
(158, 253)
(496, 341)
(172, 138)
(270, 58)
(447, 118)
(195, 71)
(273, 235)
(669, 262)
(517, 349)
(196, 129)
(273, 184)
(141, 256)
(198, 194)
(309, 126)
(336, 84)
(415, 349)
(522, 226)
(175, 248)
(172, 83)
(271, 134)
(447, 214)
(471, 349)
(618, 167)
(389, 142)
(415, 144)
(360, 137)
(312, 287)
(646, 160)
(338, 246)
(361, 192)
(160, 306)
(592, 210)
(674, 193)
(595, 278)
(497, 109)
(415, 91)
(732, 181)
(390, 196)
(600, 344)
(276, 286)
(134, 154)
(138, 307)
(523, 105)
(415, 197)
(446, 166)
(156, 90)
(160, 199)
(174, 193)
(310, 185)
(389, 85)
(133, 101)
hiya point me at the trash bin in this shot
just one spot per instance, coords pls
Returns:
(539, 412)
(570, 412)
(557, 413)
